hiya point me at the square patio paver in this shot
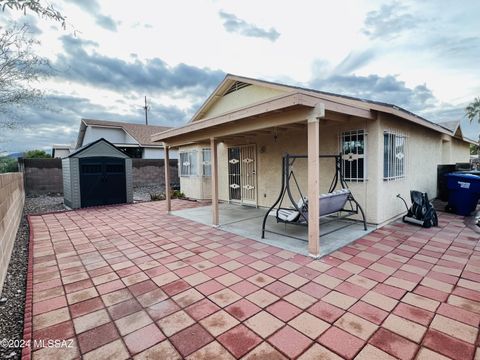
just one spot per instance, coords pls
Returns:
(132, 281)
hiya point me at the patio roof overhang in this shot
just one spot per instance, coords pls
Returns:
(259, 116)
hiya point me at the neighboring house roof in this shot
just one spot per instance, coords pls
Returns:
(141, 133)
(366, 105)
(450, 125)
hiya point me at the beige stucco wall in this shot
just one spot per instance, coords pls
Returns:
(269, 163)
(460, 151)
(240, 98)
(12, 198)
(377, 197)
(425, 150)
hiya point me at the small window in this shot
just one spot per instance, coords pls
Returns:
(394, 155)
(206, 162)
(188, 163)
(353, 149)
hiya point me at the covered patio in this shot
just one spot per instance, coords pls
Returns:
(303, 114)
(247, 222)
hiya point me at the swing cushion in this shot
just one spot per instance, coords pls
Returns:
(329, 203)
(333, 202)
(290, 215)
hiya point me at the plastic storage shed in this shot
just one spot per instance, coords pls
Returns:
(97, 174)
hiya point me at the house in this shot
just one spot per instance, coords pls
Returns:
(133, 139)
(231, 150)
(61, 150)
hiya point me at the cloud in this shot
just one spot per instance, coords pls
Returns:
(233, 24)
(386, 89)
(388, 22)
(106, 22)
(354, 61)
(152, 75)
(58, 120)
(93, 8)
(90, 6)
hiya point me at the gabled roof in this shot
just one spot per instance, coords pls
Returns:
(362, 104)
(230, 79)
(93, 143)
(141, 133)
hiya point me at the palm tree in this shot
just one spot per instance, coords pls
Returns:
(473, 110)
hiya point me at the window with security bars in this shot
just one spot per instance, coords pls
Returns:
(188, 163)
(353, 148)
(206, 162)
(394, 155)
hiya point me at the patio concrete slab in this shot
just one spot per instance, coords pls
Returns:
(247, 221)
(132, 281)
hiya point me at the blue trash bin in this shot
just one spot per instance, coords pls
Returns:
(463, 192)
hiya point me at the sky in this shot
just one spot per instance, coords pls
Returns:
(419, 55)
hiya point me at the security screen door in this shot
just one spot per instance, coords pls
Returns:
(242, 178)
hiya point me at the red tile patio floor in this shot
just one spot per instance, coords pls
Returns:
(133, 282)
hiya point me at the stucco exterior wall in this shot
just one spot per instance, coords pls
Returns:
(240, 98)
(269, 164)
(460, 151)
(425, 150)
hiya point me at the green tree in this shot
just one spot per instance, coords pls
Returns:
(473, 110)
(36, 154)
(20, 67)
(36, 6)
(8, 164)
(474, 149)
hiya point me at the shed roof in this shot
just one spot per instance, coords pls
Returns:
(93, 143)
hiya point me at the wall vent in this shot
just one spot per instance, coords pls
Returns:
(237, 85)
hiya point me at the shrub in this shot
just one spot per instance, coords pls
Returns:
(177, 194)
(8, 164)
(157, 196)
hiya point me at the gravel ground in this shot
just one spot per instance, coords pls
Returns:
(12, 300)
(142, 193)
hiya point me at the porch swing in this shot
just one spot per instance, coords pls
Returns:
(340, 201)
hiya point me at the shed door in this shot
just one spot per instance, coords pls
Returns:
(102, 181)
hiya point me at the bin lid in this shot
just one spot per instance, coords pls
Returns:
(470, 177)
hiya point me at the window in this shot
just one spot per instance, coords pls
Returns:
(206, 162)
(394, 155)
(353, 147)
(188, 163)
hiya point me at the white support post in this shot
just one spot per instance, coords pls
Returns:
(313, 127)
(167, 177)
(214, 164)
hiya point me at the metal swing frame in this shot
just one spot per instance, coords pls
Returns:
(287, 174)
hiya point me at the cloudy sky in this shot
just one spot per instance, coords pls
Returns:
(420, 55)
